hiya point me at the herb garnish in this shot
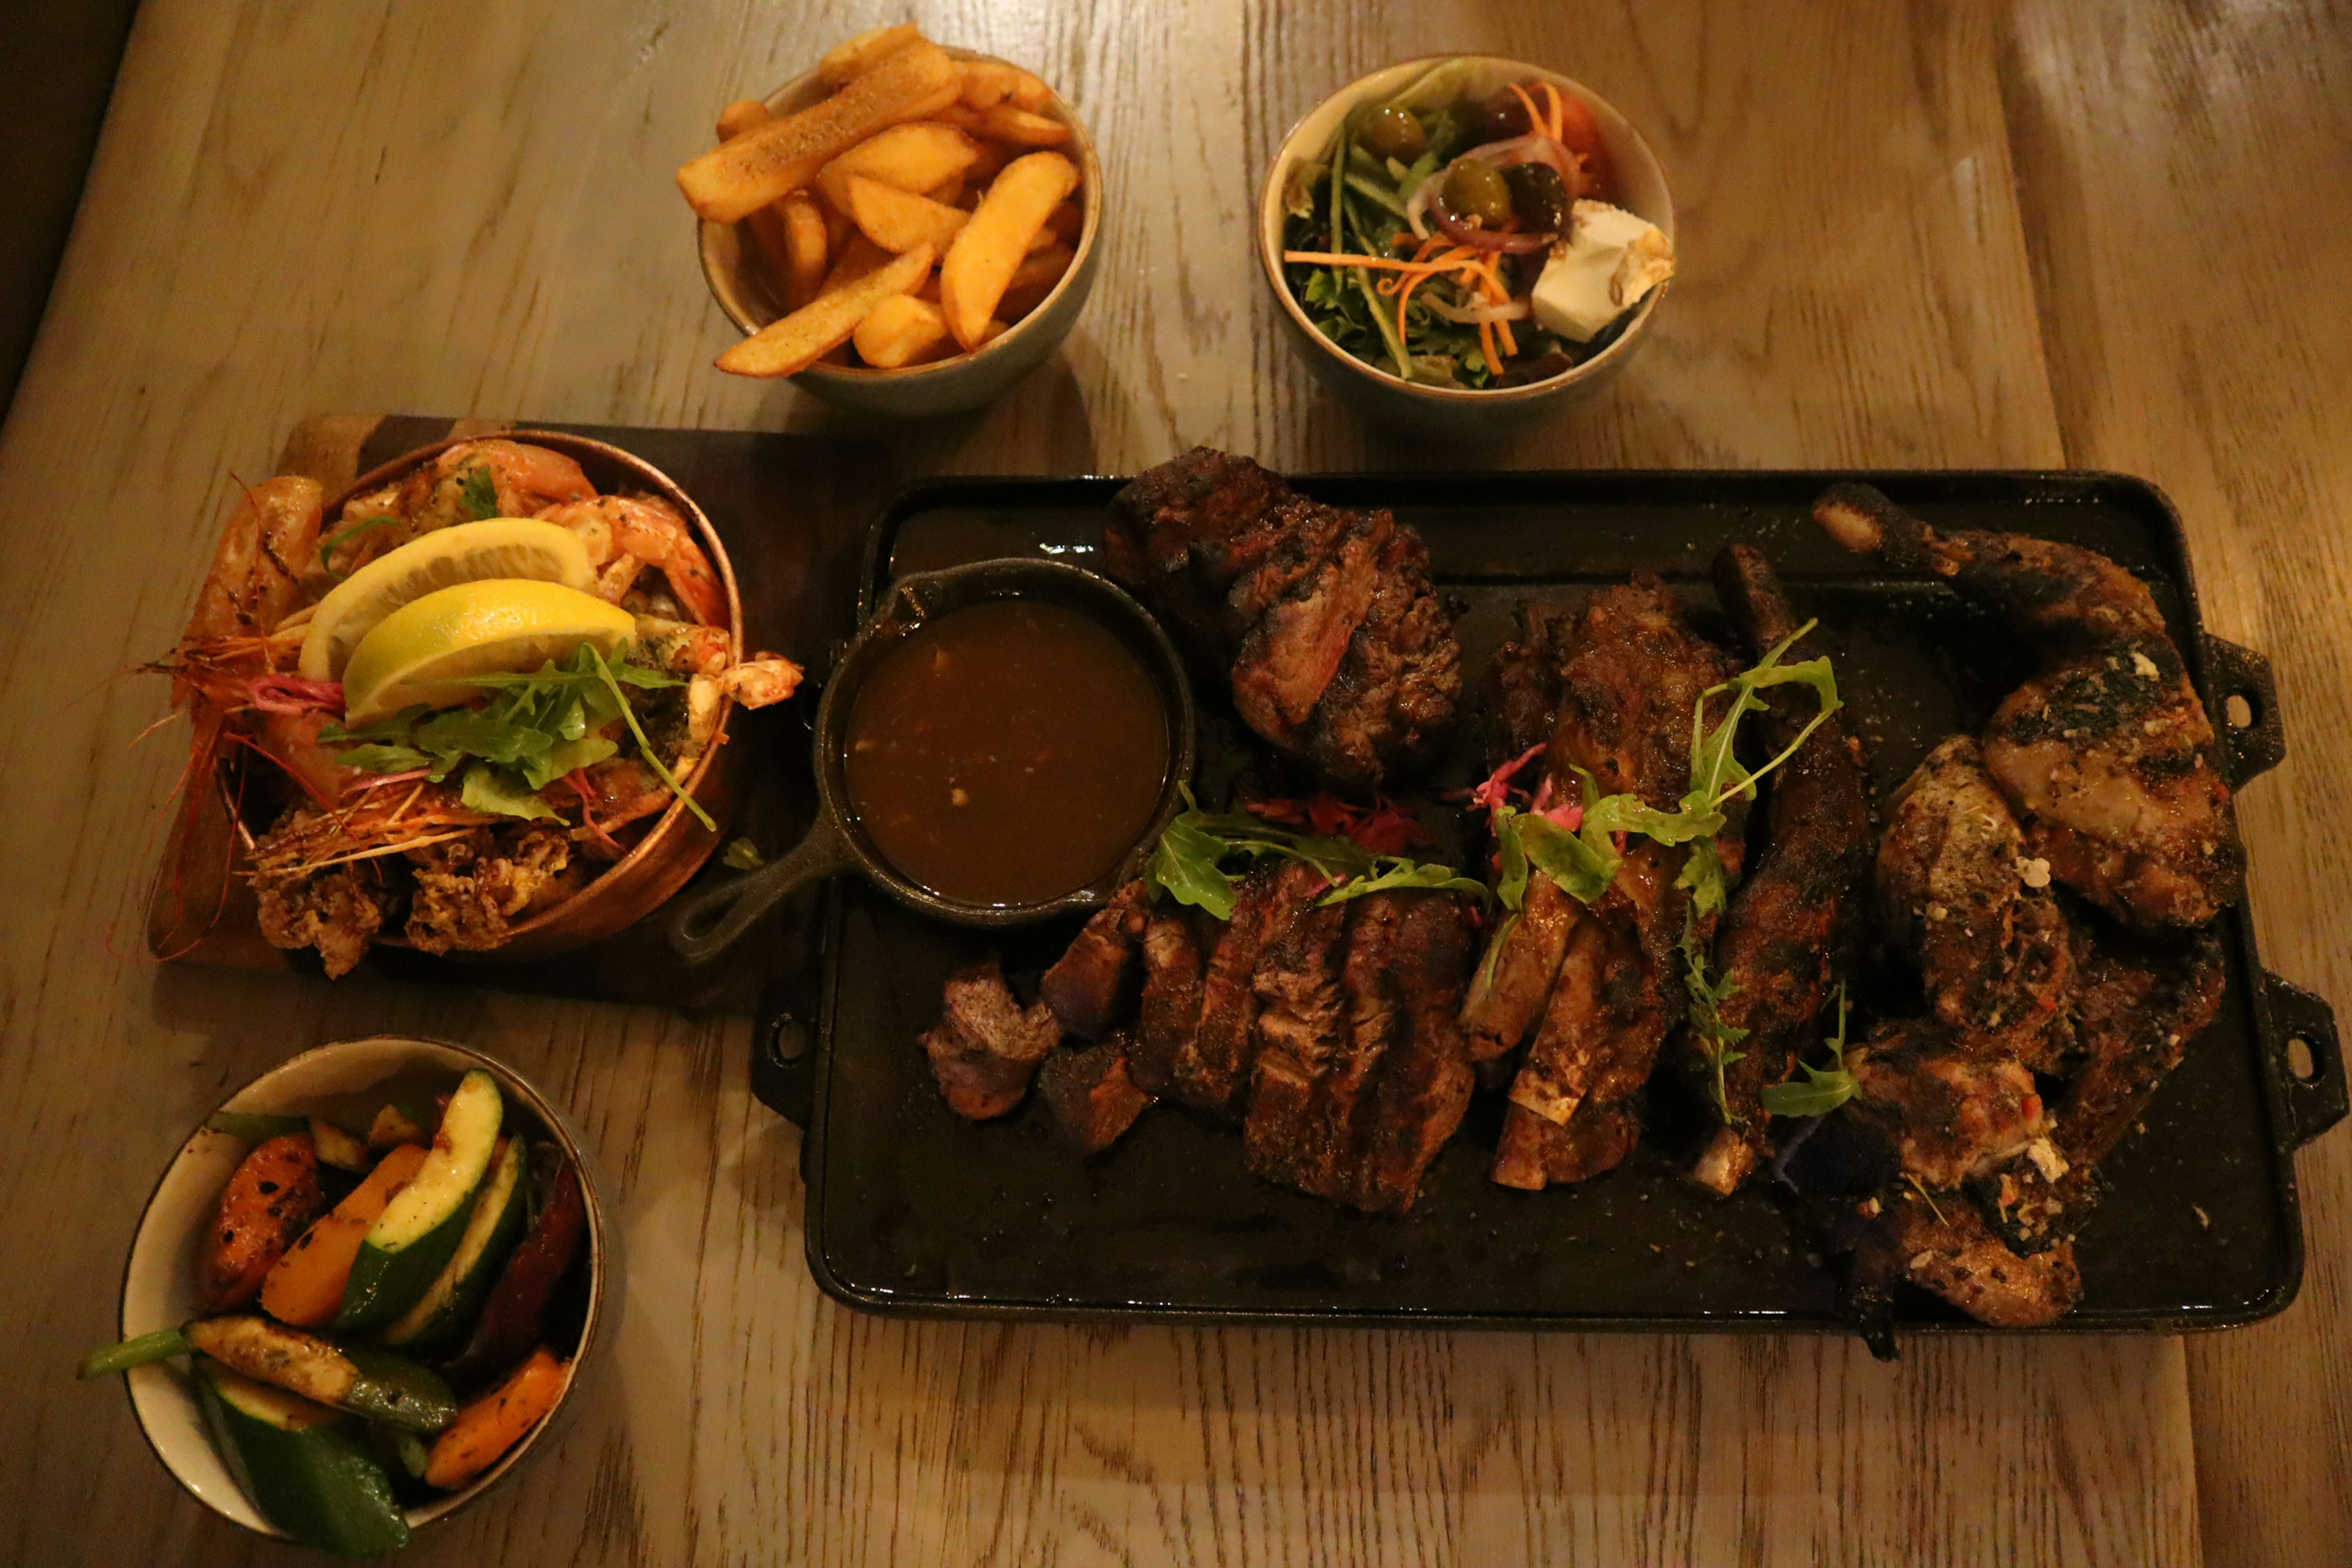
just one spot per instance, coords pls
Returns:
(1829, 1088)
(534, 730)
(1190, 861)
(480, 489)
(1718, 1041)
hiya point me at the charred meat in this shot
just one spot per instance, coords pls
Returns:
(1093, 982)
(1630, 675)
(1789, 930)
(986, 1046)
(2107, 753)
(1091, 1093)
(1958, 890)
(1338, 651)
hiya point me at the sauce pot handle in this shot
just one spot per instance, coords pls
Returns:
(706, 922)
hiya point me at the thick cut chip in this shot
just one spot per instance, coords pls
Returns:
(1033, 280)
(1022, 128)
(789, 346)
(857, 256)
(979, 263)
(1029, 91)
(986, 84)
(913, 156)
(901, 330)
(743, 114)
(847, 61)
(805, 249)
(898, 220)
(779, 157)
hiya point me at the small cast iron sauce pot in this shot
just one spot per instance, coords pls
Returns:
(705, 922)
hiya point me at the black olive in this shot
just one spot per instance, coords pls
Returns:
(1501, 117)
(1392, 132)
(1538, 195)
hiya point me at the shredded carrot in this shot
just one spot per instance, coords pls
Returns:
(1537, 124)
(1510, 343)
(1559, 112)
(1486, 342)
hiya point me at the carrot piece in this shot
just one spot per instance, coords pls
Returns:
(271, 1195)
(497, 1421)
(306, 1287)
(1538, 124)
(1551, 96)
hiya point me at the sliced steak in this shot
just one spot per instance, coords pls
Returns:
(1092, 984)
(1304, 1029)
(1424, 1077)
(986, 1046)
(1212, 1073)
(1506, 995)
(1091, 1093)
(1172, 999)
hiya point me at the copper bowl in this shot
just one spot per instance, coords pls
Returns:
(632, 888)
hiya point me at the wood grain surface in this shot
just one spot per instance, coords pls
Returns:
(1939, 232)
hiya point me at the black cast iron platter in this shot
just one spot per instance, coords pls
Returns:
(912, 1210)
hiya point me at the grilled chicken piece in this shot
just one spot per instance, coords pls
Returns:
(1631, 680)
(1943, 1246)
(1957, 889)
(1534, 1153)
(1211, 1071)
(2139, 1003)
(1790, 926)
(1339, 650)
(986, 1046)
(1304, 1031)
(1507, 994)
(1093, 1096)
(1949, 1113)
(2107, 752)
(1170, 1015)
(1092, 983)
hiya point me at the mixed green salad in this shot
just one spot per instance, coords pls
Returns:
(1417, 241)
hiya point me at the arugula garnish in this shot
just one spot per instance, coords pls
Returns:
(1718, 1041)
(1190, 861)
(534, 731)
(1829, 1088)
(480, 491)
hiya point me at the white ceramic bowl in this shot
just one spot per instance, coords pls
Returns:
(1460, 413)
(964, 381)
(159, 1284)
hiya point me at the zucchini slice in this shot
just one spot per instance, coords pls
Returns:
(357, 1378)
(412, 1240)
(450, 1303)
(300, 1465)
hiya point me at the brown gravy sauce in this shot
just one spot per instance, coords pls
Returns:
(1007, 753)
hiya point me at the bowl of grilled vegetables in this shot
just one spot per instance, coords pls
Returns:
(362, 1292)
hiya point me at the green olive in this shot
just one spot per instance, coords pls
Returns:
(1393, 132)
(1473, 190)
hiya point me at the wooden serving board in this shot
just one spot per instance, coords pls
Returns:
(794, 512)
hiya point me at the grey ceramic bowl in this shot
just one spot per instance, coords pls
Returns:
(1457, 413)
(964, 381)
(159, 1283)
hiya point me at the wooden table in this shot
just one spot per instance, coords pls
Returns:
(1933, 234)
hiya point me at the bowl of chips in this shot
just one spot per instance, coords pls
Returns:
(906, 230)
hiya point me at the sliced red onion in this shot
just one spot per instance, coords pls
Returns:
(1516, 310)
(1417, 205)
(1496, 239)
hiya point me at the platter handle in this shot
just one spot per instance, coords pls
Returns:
(2242, 676)
(705, 921)
(2307, 1060)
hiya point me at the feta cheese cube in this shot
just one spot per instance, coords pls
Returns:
(1610, 259)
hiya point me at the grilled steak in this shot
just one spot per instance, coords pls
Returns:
(1090, 984)
(1424, 1077)
(1172, 1000)
(1304, 1028)
(1213, 1071)
(986, 1046)
(1337, 650)
(1091, 1093)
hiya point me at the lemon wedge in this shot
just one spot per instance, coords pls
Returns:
(463, 552)
(429, 649)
